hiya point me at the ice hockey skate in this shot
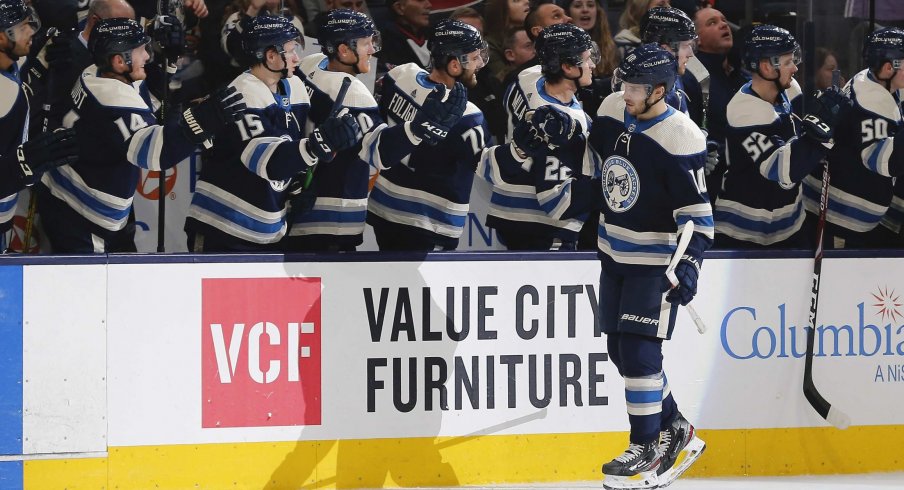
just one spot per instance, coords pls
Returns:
(635, 469)
(680, 448)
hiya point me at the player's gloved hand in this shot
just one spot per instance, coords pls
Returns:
(555, 127)
(687, 271)
(58, 53)
(528, 141)
(828, 108)
(45, 152)
(168, 32)
(436, 118)
(335, 134)
(207, 118)
(712, 157)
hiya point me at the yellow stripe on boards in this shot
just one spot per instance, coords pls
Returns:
(451, 461)
(68, 474)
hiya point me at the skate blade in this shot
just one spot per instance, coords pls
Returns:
(640, 481)
(686, 458)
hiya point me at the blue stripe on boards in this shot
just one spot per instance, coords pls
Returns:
(11, 360)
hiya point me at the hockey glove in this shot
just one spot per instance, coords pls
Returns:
(828, 109)
(555, 127)
(207, 118)
(528, 141)
(335, 134)
(712, 157)
(687, 271)
(169, 34)
(45, 152)
(436, 118)
(58, 53)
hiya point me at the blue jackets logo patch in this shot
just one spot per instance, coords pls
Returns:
(621, 185)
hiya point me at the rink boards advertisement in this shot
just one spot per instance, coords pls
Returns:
(449, 371)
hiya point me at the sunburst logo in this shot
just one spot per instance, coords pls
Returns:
(888, 303)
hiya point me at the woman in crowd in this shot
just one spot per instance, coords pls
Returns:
(590, 16)
(501, 16)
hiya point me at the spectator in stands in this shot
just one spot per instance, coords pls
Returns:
(826, 63)
(715, 40)
(517, 47)
(405, 38)
(629, 37)
(590, 16)
(542, 14)
(501, 16)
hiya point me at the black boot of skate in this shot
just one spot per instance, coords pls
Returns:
(680, 447)
(636, 468)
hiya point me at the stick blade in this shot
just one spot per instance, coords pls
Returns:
(838, 418)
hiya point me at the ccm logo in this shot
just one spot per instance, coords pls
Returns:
(260, 352)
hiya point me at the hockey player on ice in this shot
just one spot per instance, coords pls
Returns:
(86, 206)
(240, 201)
(651, 185)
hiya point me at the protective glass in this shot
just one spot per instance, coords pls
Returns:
(686, 48)
(595, 56)
(637, 90)
(31, 21)
(476, 59)
(368, 45)
(294, 47)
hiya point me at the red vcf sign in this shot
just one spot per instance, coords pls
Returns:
(260, 346)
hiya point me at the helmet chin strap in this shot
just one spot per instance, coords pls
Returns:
(354, 65)
(284, 71)
(648, 105)
(576, 80)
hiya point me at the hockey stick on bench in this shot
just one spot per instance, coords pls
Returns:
(683, 242)
(825, 409)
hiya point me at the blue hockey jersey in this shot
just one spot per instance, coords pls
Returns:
(242, 188)
(430, 191)
(863, 162)
(13, 132)
(524, 191)
(767, 160)
(652, 181)
(341, 185)
(118, 135)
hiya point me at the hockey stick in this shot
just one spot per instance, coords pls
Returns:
(825, 409)
(686, 232)
(337, 108)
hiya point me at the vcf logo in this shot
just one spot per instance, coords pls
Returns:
(260, 352)
(149, 183)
